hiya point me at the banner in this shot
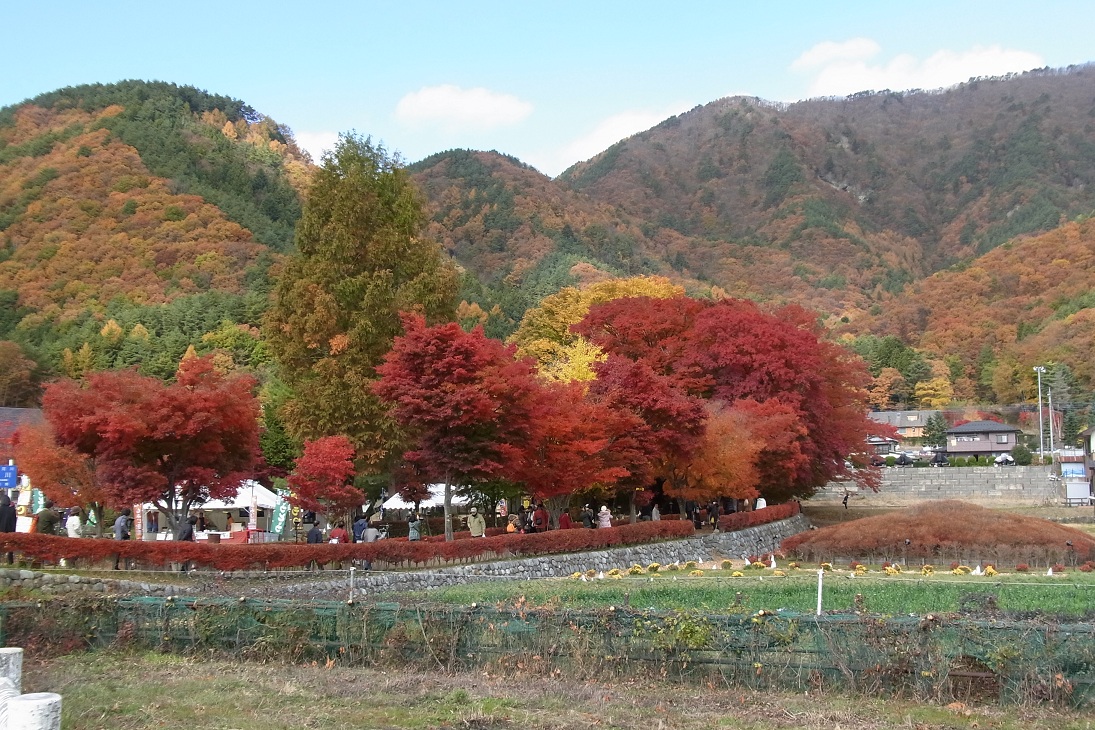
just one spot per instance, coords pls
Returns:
(280, 516)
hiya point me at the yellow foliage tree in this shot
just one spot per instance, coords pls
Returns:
(545, 333)
(935, 393)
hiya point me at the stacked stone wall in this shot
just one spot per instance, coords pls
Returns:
(735, 545)
(989, 486)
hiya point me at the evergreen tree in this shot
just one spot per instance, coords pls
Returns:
(935, 431)
(335, 308)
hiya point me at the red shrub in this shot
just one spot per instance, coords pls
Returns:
(52, 549)
(741, 520)
(946, 530)
(1022, 568)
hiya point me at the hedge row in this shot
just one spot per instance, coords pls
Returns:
(773, 513)
(51, 549)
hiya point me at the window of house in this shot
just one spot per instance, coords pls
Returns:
(1001, 438)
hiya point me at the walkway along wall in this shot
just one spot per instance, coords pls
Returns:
(735, 545)
(989, 486)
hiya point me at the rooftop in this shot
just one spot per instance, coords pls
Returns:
(984, 427)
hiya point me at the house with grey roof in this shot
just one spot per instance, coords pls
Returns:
(909, 425)
(982, 438)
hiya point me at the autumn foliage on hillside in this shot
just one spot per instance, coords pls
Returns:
(945, 531)
(1023, 304)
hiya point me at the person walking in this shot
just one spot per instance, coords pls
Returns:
(588, 518)
(414, 528)
(655, 514)
(477, 526)
(186, 530)
(315, 537)
(73, 523)
(565, 522)
(48, 519)
(121, 532)
(604, 517)
(541, 520)
(339, 535)
(359, 527)
(7, 519)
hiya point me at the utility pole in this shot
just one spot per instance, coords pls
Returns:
(1041, 431)
(1050, 392)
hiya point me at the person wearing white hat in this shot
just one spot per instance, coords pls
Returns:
(476, 524)
(604, 517)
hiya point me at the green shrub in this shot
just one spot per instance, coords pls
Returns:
(1022, 455)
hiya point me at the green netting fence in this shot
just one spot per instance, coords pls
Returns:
(928, 658)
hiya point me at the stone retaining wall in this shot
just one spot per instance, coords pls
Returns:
(735, 545)
(990, 486)
(29, 580)
(720, 545)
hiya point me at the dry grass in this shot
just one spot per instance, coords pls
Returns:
(143, 691)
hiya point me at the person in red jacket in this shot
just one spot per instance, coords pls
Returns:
(541, 521)
(339, 534)
(564, 521)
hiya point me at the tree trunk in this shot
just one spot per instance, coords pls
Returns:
(632, 511)
(555, 506)
(448, 509)
(97, 510)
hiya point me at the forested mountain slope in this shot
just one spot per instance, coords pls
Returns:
(143, 203)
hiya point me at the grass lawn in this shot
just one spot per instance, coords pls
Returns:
(146, 690)
(1069, 596)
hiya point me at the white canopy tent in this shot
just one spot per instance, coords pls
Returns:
(218, 511)
(250, 492)
(436, 499)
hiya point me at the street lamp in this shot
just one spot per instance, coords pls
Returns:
(1041, 444)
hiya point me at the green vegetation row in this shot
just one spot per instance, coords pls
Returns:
(717, 592)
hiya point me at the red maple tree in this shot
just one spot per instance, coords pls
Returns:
(171, 445)
(61, 473)
(463, 400)
(323, 477)
(659, 427)
(814, 391)
(570, 446)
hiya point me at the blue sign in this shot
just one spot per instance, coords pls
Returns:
(8, 477)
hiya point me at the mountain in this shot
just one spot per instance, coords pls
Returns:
(862, 194)
(143, 204)
(946, 228)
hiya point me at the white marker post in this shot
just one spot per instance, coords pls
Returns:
(820, 583)
(37, 711)
(11, 666)
(352, 569)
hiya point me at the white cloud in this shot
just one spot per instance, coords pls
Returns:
(316, 143)
(456, 109)
(829, 51)
(839, 69)
(606, 133)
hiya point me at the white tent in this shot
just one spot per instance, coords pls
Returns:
(264, 499)
(436, 499)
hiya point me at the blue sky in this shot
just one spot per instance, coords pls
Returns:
(550, 83)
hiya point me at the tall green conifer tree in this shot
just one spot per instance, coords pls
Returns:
(335, 308)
